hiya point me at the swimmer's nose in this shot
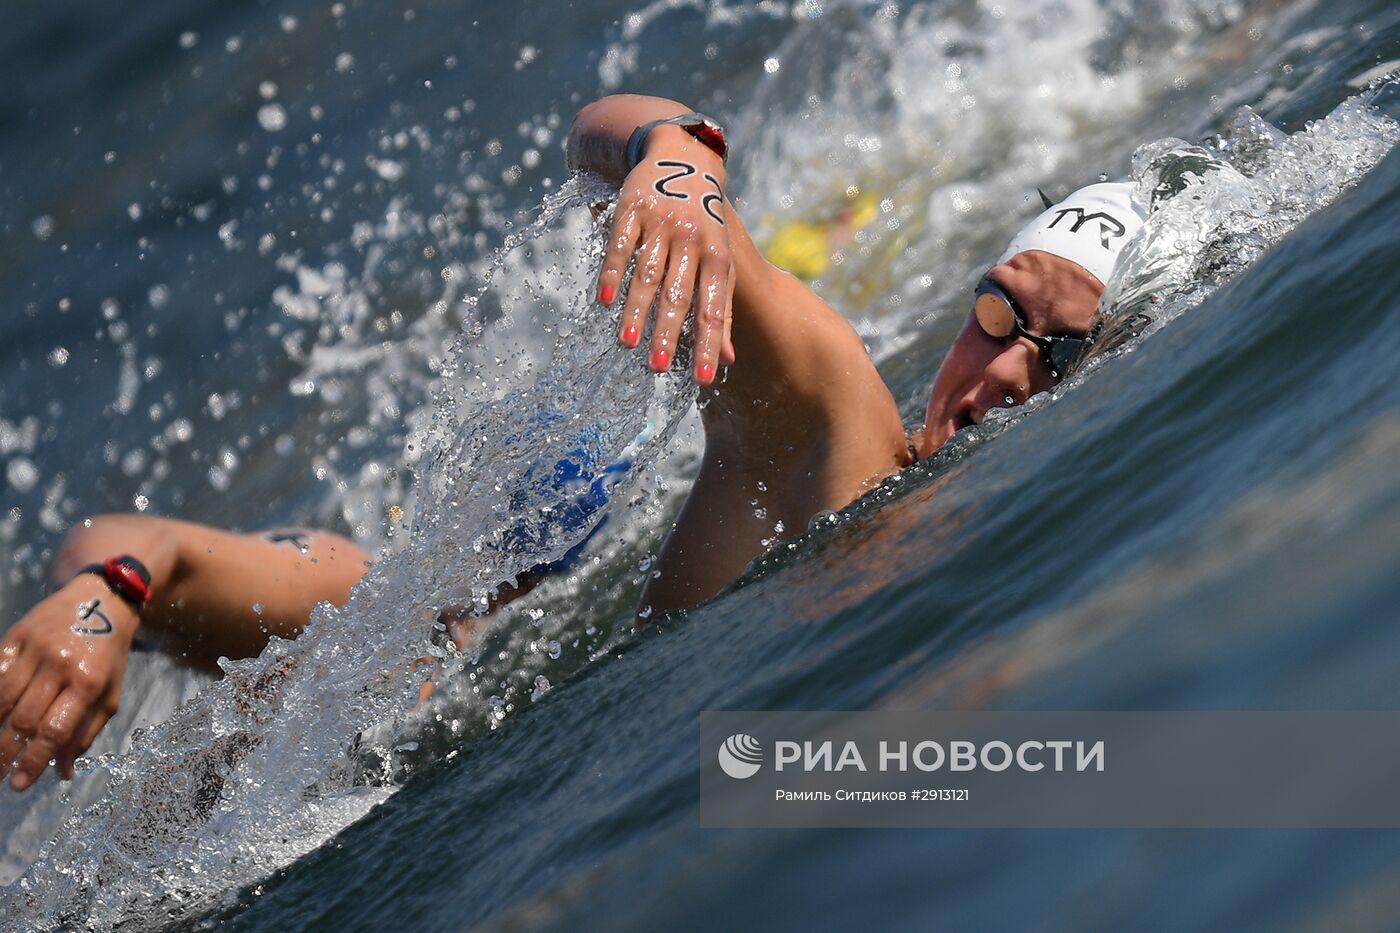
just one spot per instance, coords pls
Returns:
(1008, 375)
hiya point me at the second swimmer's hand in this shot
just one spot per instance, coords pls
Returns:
(671, 217)
(61, 671)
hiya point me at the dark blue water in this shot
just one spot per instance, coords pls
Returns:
(1207, 522)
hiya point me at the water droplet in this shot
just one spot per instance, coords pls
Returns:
(181, 430)
(388, 169)
(21, 474)
(272, 117)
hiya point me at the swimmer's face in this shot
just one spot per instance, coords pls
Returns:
(982, 372)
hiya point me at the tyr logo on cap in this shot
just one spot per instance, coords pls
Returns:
(1106, 232)
(1101, 215)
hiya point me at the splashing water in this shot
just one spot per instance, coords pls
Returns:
(253, 772)
(1218, 207)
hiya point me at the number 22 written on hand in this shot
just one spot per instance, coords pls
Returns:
(686, 170)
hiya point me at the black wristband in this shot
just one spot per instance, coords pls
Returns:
(706, 131)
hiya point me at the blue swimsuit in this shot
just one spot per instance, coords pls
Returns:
(585, 491)
(576, 490)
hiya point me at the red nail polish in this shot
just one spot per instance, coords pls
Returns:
(705, 374)
(630, 336)
(606, 294)
(660, 360)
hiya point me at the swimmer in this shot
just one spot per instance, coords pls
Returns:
(797, 421)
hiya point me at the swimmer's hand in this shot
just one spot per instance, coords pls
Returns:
(671, 218)
(61, 670)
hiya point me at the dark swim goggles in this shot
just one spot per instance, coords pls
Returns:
(1001, 317)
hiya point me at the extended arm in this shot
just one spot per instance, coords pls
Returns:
(213, 593)
(800, 423)
(217, 593)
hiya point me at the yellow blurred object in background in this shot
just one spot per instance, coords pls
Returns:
(804, 248)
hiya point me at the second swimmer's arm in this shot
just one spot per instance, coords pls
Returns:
(211, 593)
(214, 592)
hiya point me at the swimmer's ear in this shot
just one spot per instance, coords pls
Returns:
(598, 207)
(1045, 199)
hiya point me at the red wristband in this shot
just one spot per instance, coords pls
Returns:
(127, 577)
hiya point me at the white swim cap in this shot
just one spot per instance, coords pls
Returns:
(1090, 227)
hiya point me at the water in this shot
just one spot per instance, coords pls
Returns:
(257, 297)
